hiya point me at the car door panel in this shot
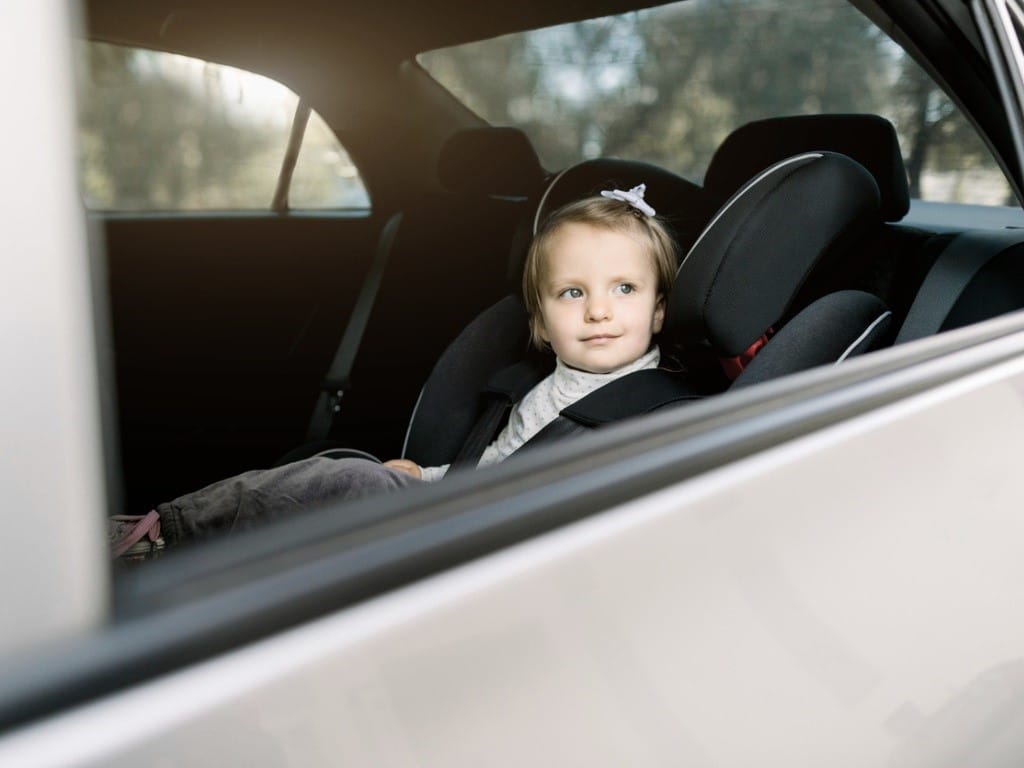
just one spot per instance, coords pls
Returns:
(223, 328)
(871, 598)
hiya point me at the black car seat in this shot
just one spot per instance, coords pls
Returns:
(834, 323)
(932, 281)
(488, 174)
(892, 258)
(735, 286)
(449, 403)
(740, 279)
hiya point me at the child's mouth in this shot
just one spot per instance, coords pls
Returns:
(602, 338)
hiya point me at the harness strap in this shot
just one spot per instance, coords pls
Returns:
(632, 395)
(338, 377)
(506, 387)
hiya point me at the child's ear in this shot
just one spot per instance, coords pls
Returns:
(659, 314)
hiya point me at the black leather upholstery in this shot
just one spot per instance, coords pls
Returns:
(869, 139)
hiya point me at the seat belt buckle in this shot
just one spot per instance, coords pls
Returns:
(334, 400)
(335, 390)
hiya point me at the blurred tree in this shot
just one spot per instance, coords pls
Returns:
(698, 62)
(151, 139)
(935, 135)
(472, 71)
(667, 84)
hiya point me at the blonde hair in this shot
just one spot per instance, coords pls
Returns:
(603, 213)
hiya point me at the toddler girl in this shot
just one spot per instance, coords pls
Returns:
(596, 280)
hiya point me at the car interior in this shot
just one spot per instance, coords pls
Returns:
(350, 286)
(243, 340)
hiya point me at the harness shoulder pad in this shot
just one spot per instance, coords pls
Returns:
(514, 382)
(632, 395)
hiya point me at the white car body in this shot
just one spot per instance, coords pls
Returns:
(845, 597)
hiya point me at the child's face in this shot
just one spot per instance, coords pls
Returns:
(599, 298)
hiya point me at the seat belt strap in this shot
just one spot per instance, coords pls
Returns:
(338, 377)
(945, 282)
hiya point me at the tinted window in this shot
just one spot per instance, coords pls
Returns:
(167, 132)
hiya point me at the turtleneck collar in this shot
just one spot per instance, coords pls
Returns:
(570, 384)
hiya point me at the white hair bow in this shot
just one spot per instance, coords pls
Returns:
(635, 197)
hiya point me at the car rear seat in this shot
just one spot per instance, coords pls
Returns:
(979, 274)
(490, 171)
(446, 262)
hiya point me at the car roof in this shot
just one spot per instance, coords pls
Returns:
(397, 28)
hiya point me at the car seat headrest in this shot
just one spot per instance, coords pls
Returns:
(748, 265)
(869, 139)
(681, 203)
(490, 161)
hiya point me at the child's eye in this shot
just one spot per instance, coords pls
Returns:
(625, 288)
(571, 293)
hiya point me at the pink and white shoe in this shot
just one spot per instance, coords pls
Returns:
(135, 537)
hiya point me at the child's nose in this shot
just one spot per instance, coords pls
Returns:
(598, 308)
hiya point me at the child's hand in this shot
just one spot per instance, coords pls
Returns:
(404, 465)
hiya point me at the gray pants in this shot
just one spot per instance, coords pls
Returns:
(247, 500)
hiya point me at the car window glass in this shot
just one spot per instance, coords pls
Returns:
(667, 84)
(324, 175)
(160, 131)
